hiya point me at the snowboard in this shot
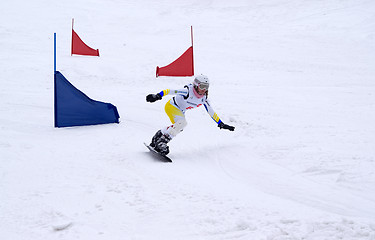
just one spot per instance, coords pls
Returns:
(159, 156)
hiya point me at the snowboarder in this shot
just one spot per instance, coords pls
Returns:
(191, 96)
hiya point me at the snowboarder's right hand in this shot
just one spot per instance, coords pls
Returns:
(153, 97)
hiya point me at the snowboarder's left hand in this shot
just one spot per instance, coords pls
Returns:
(222, 125)
(153, 97)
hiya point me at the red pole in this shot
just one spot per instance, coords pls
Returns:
(72, 36)
(192, 60)
(191, 30)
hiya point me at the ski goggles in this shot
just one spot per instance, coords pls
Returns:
(203, 86)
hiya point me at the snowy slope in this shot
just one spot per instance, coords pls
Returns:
(296, 79)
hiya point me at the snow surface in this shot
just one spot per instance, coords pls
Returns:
(296, 79)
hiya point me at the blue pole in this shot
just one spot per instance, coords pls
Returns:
(55, 53)
(54, 84)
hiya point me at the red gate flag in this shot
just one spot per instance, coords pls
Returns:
(182, 66)
(79, 47)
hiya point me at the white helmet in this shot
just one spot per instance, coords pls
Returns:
(202, 82)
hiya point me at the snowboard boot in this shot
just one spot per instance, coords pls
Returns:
(155, 138)
(161, 144)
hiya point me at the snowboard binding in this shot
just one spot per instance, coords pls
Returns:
(159, 143)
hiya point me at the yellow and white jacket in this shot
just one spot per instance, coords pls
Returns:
(187, 98)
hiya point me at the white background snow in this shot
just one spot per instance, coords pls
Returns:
(296, 79)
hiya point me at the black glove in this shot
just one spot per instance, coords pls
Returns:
(153, 97)
(222, 125)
